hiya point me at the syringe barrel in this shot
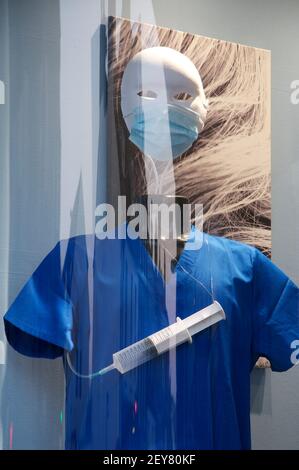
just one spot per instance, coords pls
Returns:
(204, 318)
(183, 330)
(170, 337)
(134, 355)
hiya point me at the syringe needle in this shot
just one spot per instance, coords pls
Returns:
(106, 369)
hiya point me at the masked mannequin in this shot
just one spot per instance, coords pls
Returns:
(164, 107)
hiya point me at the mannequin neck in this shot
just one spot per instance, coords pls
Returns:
(176, 227)
(166, 248)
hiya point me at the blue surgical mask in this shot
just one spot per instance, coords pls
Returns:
(164, 133)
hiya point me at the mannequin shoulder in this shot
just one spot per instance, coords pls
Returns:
(232, 249)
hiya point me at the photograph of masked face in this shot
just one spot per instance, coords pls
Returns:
(191, 116)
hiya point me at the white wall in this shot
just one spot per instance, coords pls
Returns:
(31, 392)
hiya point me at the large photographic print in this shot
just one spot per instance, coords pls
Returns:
(227, 169)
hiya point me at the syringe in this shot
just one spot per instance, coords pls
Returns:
(165, 339)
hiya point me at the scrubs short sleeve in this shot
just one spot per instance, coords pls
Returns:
(39, 321)
(276, 313)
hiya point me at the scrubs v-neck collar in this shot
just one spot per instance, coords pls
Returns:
(147, 267)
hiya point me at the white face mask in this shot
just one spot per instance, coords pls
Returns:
(163, 102)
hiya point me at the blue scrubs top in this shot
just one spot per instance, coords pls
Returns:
(94, 297)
